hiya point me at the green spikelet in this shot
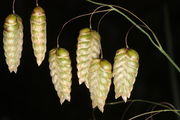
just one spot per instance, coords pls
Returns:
(60, 70)
(99, 82)
(13, 41)
(38, 33)
(88, 48)
(125, 70)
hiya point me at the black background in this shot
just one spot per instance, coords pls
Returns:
(30, 95)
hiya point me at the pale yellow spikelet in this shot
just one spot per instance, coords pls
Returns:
(100, 75)
(88, 47)
(13, 41)
(60, 70)
(93, 78)
(125, 70)
(38, 33)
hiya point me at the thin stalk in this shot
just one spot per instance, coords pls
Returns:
(158, 45)
(126, 110)
(101, 51)
(37, 3)
(98, 26)
(102, 4)
(151, 116)
(154, 35)
(152, 112)
(90, 19)
(90, 26)
(129, 32)
(163, 103)
(59, 34)
(144, 101)
(13, 6)
(126, 43)
(135, 24)
(169, 58)
(128, 18)
(137, 100)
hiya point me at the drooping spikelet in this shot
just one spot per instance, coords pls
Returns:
(125, 70)
(13, 41)
(100, 75)
(38, 33)
(60, 70)
(88, 48)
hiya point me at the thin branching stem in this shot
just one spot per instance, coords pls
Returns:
(169, 58)
(127, 34)
(72, 19)
(156, 39)
(157, 44)
(152, 112)
(115, 6)
(163, 103)
(98, 26)
(144, 101)
(151, 116)
(90, 19)
(135, 24)
(90, 26)
(126, 110)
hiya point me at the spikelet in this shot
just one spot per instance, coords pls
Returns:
(60, 70)
(13, 41)
(99, 82)
(125, 70)
(38, 33)
(88, 48)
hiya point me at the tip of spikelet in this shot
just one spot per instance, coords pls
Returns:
(62, 100)
(39, 62)
(11, 70)
(101, 108)
(124, 98)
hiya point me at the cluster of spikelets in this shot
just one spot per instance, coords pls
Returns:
(97, 73)
(13, 37)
